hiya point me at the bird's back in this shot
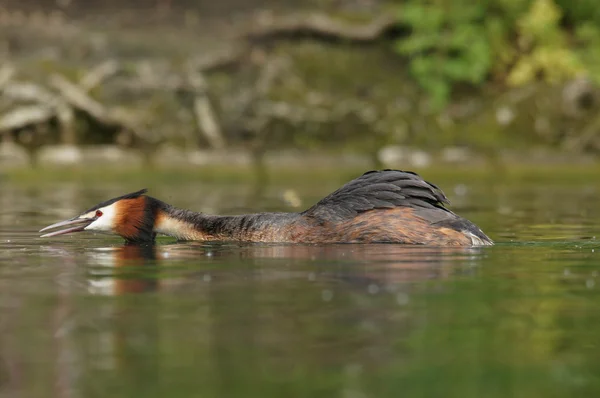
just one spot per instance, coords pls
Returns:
(389, 206)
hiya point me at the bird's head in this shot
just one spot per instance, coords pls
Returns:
(130, 216)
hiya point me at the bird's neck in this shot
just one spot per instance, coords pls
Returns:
(190, 225)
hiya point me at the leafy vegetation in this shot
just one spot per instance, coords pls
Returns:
(514, 42)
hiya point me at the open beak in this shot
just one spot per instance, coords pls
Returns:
(75, 224)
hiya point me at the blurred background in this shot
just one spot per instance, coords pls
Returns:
(497, 102)
(368, 82)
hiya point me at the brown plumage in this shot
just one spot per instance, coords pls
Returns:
(388, 225)
(388, 206)
(130, 217)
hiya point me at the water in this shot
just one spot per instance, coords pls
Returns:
(86, 316)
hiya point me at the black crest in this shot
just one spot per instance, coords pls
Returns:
(132, 195)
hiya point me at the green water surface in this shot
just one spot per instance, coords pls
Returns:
(86, 316)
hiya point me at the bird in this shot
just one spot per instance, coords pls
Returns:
(380, 206)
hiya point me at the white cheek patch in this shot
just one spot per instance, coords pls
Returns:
(105, 222)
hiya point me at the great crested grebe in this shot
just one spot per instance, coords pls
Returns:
(389, 206)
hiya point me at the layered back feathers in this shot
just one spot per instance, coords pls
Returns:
(384, 189)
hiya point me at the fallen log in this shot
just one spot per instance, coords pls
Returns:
(76, 96)
(321, 26)
(34, 105)
(29, 92)
(23, 116)
(99, 74)
(316, 26)
(79, 99)
(203, 111)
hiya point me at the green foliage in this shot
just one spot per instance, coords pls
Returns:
(544, 47)
(511, 41)
(588, 48)
(446, 47)
(580, 11)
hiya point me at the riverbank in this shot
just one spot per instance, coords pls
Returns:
(110, 163)
(272, 80)
(15, 157)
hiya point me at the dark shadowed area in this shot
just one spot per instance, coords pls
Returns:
(86, 316)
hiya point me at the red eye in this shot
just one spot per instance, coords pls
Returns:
(98, 213)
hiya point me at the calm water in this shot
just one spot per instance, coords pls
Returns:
(86, 316)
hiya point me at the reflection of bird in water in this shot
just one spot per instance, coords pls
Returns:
(381, 264)
(387, 206)
(132, 269)
(143, 268)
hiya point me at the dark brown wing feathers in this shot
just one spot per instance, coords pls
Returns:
(384, 189)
